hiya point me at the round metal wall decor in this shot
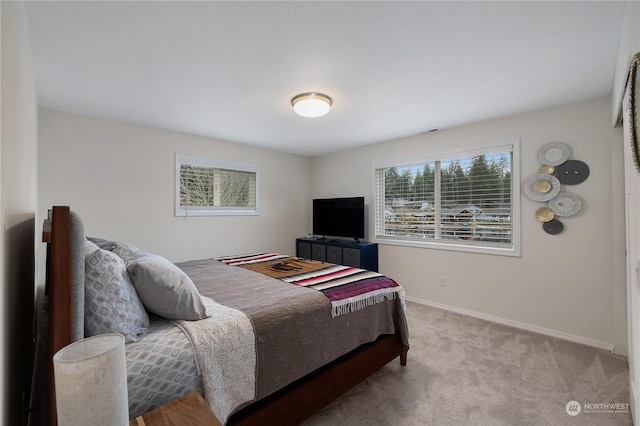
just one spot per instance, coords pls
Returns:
(545, 214)
(547, 170)
(554, 154)
(553, 227)
(565, 204)
(542, 187)
(572, 172)
(557, 169)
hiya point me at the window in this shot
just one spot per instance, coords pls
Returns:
(206, 187)
(466, 200)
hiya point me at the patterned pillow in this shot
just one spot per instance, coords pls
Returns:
(111, 302)
(165, 289)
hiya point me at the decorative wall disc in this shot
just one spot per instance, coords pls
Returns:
(554, 154)
(545, 214)
(547, 170)
(554, 226)
(542, 187)
(572, 172)
(566, 204)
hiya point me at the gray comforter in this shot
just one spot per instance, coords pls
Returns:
(295, 333)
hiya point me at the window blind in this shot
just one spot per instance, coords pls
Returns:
(207, 186)
(464, 199)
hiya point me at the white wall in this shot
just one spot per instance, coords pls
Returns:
(18, 191)
(571, 284)
(629, 45)
(120, 179)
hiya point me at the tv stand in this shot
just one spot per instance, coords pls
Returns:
(359, 254)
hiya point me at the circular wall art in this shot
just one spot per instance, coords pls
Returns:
(545, 214)
(553, 227)
(554, 154)
(542, 187)
(547, 170)
(546, 185)
(572, 172)
(565, 204)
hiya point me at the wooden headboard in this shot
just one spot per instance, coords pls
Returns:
(64, 293)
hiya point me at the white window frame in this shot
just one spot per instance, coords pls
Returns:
(193, 160)
(514, 249)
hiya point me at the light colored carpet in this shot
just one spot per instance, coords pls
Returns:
(466, 371)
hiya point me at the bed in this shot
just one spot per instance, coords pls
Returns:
(273, 340)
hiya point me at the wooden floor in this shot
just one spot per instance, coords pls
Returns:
(189, 410)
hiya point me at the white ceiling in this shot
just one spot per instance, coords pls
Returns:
(228, 70)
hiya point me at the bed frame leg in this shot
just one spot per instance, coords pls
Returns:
(403, 355)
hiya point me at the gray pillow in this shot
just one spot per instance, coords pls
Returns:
(111, 302)
(102, 243)
(126, 251)
(165, 289)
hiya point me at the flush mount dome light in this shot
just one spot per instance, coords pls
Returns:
(311, 104)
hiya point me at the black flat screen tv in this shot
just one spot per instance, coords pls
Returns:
(339, 217)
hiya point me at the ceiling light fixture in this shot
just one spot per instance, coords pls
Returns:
(311, 104)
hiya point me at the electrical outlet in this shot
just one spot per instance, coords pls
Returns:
(443, 280)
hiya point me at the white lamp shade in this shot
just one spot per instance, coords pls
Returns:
(91, 382)
(311, 104)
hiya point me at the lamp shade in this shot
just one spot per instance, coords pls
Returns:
(91, 382)
(311, 104)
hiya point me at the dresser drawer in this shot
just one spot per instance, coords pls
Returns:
(351, 257)
(334, 255)
(319, 252)
(304, 250)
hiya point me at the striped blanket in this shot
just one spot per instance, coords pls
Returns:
(349, 289)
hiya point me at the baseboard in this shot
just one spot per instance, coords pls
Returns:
(632, 401)
(517, 324)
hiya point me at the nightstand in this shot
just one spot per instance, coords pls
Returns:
(190, 410)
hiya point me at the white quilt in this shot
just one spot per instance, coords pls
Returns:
(224, 345)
